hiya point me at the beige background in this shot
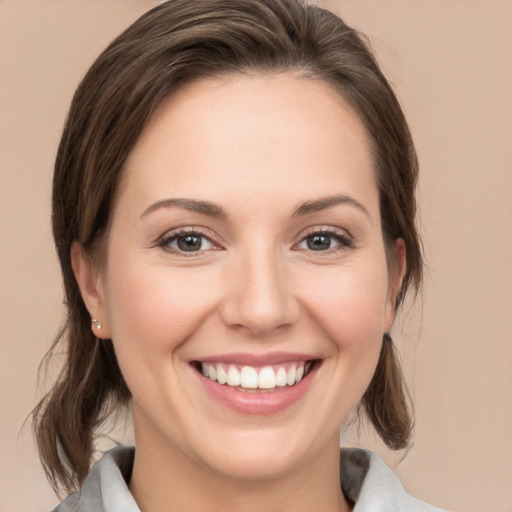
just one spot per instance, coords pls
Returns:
(450, 61)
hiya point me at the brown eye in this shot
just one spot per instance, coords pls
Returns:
(186, 242)
(189, 243)
(319, 242)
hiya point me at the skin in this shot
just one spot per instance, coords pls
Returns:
(257, 147)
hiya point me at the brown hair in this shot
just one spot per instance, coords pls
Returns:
(175, 43)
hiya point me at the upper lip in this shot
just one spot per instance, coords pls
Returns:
(272, 358)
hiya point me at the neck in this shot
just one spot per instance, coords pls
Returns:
(166, 478)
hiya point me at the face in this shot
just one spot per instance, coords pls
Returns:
(245, 287)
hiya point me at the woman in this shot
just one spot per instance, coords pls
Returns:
(234, 213)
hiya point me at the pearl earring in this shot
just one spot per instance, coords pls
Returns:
(96, 323)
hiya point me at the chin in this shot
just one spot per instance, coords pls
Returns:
(260, 455)
(256, 464)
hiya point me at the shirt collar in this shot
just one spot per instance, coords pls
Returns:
(366, 482)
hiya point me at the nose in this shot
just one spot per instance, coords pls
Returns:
(259, 295)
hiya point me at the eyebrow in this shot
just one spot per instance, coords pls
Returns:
(213, 210)
(323, 203)
(193, 205)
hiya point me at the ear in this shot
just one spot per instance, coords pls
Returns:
(90, 282)
(396, 275)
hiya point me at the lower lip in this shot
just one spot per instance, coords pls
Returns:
(257, 403)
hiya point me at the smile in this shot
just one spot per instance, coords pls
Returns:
(256, 384)
(253, 377)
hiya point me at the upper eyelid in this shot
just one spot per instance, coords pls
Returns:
(183, 230)
(325, 229)
(176, 232)
(215, 239)
(346, 239)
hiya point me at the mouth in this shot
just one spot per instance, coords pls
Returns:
(256, 379)
(256, 384)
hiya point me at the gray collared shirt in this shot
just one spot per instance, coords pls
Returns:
(365, 480)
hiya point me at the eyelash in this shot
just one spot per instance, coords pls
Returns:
(344, 241)
(168, 238)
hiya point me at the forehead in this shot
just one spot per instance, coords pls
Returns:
(243, 136)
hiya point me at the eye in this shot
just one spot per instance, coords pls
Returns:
(324, 241)
(186, 241)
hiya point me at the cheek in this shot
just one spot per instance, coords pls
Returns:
(351, 304)
(348, 303)
(153, 309)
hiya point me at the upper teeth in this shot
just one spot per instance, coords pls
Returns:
(249, 377)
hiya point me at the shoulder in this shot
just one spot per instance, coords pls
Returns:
(365, 478)
(373, 487)
(70, 504)
(106, 487)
